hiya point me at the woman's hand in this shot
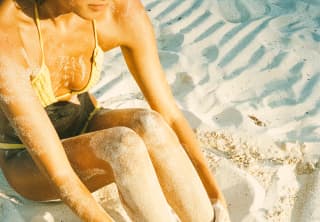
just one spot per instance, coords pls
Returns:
(79, 199)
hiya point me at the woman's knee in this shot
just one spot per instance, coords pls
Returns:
(119, 146)
(148, 118)
(152, 127)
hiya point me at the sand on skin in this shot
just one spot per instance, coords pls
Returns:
(246, 75)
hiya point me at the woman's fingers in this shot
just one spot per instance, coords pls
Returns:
(220, 212)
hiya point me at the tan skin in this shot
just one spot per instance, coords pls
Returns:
(52, 168)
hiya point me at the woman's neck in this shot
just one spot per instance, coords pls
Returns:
(59, 12)
(54, 8)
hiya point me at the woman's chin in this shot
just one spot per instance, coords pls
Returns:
(90, 14)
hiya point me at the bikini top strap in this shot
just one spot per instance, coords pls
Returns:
(95, 33)
(37, 20)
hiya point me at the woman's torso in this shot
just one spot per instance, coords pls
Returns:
(67, 49)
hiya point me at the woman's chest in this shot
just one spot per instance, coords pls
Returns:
(69, 71)
(68, 56)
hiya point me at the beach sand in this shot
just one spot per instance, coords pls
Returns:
(246, 75)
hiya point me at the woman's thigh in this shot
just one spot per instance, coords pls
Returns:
(147, 123)
(25, 177)
(84, 153)
(106, 118)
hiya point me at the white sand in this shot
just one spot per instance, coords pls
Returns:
(246, 74)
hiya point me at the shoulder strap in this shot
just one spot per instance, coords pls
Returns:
(37, 20)
(95, 33)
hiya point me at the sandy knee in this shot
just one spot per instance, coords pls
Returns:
(153, 128)
(121, 147)
(148, 119)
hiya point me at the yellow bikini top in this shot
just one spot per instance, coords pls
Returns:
(41, 82)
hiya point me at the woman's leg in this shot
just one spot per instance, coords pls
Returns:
(178, 178)
(113, 155)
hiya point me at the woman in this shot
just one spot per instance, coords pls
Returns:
(55, 140)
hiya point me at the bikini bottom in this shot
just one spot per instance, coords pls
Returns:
(80, 114)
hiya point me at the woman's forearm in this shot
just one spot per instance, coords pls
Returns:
(190, 143)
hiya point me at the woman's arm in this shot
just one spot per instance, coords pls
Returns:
(34, 128)
(140, 51)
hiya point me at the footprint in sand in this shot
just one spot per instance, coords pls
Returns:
(169, 45)
(211, 53)
(228, 117)
(168, 59)
(170, 41)
(243, 193)
(243, 10)
(183, 85)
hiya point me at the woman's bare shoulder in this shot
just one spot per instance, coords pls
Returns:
(128, 11)
(10, 40)
(128, 6)
(14, 11)
(122, 18)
